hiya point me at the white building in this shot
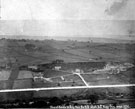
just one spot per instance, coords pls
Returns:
(33, 67)
(79, 71)
(57, 67)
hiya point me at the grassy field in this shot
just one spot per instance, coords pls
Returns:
(105, 79)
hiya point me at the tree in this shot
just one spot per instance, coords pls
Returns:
(93, 99)
(55, 101)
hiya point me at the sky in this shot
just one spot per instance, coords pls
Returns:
(54, 18)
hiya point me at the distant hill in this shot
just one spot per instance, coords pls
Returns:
(46, 51)
(100, 39)
(91, 38)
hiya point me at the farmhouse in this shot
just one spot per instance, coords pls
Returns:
(78, 71)
(57, 68)
(37, 77)
(32, 67)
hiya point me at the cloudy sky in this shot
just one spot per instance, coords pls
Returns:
(68, 18)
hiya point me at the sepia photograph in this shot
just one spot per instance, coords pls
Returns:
(67, 54)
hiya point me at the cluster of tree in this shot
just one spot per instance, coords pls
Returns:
(20, 40)
(46, 102)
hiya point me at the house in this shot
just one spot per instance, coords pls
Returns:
(38, 77)
(79, 71)
(32, 67)
(57, 68)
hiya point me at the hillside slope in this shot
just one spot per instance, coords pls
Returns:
(46, 51)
